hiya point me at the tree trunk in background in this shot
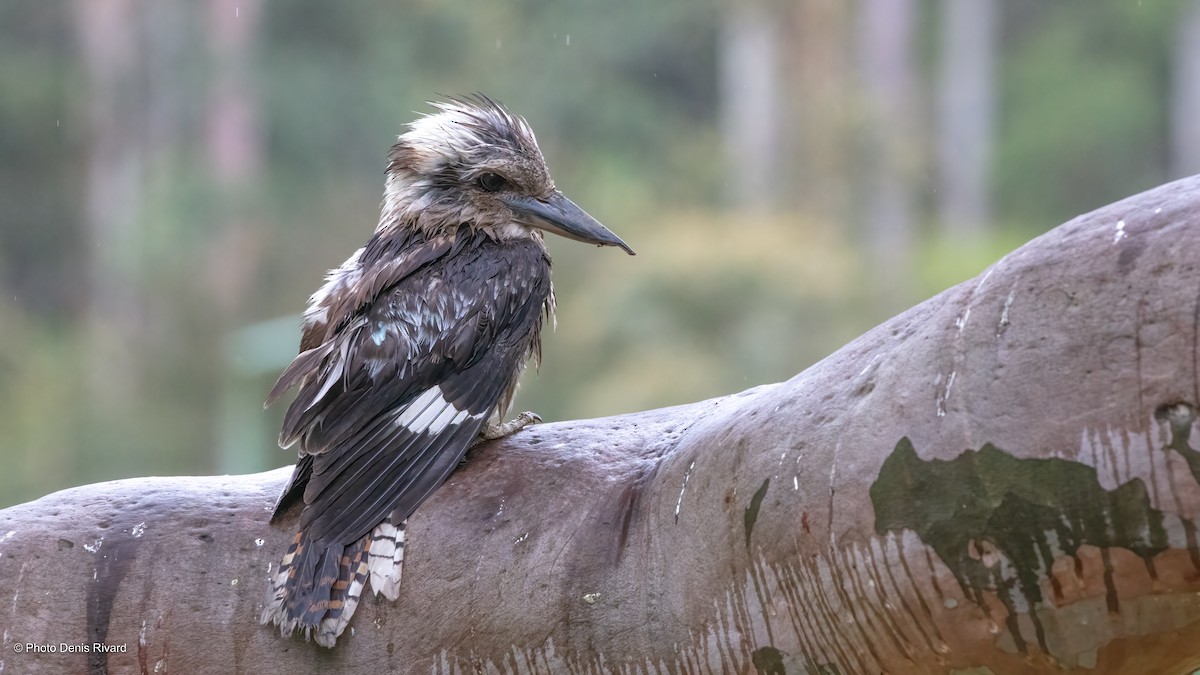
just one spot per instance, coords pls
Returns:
(818, 71)
(888, 68)
(1185, 110)
(111, 51)
(234, 145)
(234, 142)
(750, 105)
(167, 30)
(235, 158)
(966, 114)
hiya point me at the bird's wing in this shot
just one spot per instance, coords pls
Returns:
(390, 402)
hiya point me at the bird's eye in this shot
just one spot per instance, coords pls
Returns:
(492, 182)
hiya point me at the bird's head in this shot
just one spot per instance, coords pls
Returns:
(474, 162)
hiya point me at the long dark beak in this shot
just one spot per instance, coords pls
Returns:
(561, 216)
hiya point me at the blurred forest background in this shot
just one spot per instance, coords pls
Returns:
(175, 178)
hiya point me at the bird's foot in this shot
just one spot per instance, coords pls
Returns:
(492, 431)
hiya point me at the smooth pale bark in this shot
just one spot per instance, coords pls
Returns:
(1003, 479)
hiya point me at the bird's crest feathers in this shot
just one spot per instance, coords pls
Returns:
(464, 131)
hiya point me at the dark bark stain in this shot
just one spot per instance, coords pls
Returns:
(751, 516)
(831, 617)
(1130, 251)
(874, 619)
(628, 507)
(789, 585)
(842, 586)
(1189, 531)
(764, 599)
(881, 590)
(143, 664)
(1179, 417)
(925, 611)
(113, 560)
(912, 622)
(1110, 596)
(144, 609)
(1195, 348)
(987, 502)
(768, 661)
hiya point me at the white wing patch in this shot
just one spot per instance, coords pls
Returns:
(430, 413)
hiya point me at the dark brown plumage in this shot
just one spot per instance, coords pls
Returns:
(411, 347)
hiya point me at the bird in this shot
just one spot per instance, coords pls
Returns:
(411, 350)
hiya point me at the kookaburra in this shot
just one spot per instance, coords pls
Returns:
(412, 349)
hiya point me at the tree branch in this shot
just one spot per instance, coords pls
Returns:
(1002, 477)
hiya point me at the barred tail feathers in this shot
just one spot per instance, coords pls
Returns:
(275, 609)
(386, 556)
(318, 591)
(344, 594)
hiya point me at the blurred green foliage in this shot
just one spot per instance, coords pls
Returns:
(1085, 102)
(625, 100)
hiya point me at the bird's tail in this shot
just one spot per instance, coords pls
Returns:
(317, 588)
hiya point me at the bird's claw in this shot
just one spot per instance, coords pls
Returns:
(491, 432)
